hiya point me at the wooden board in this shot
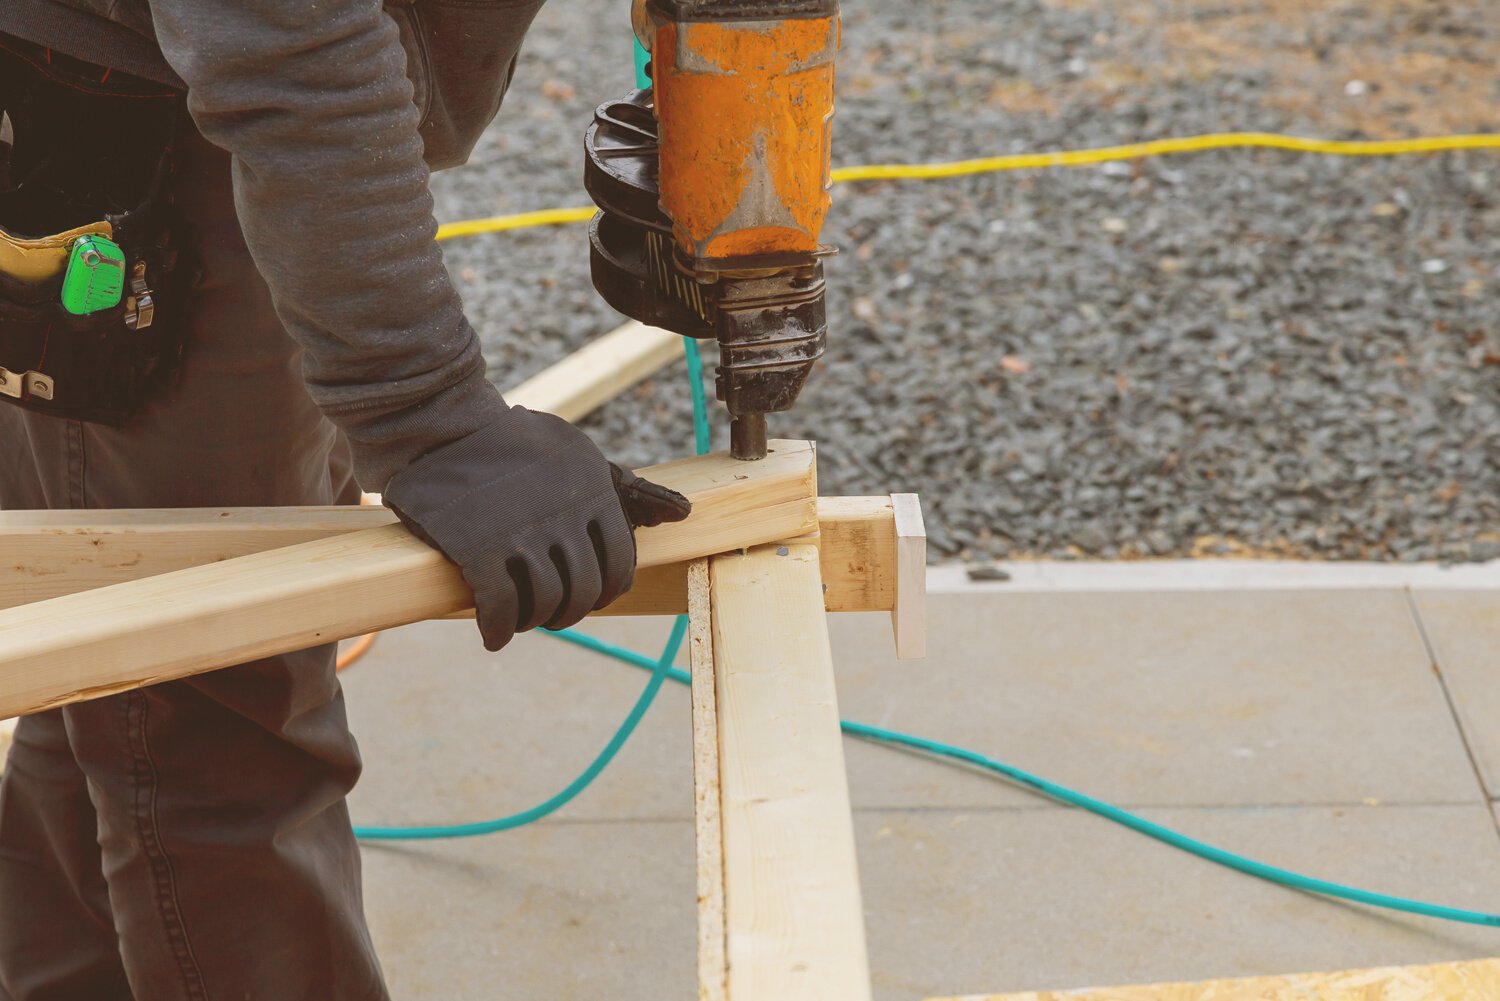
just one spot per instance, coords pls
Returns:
(141, 632)
(794, 928)
(857, 550)
(598, 372)
(733, 502)
(52, 553)
(1474, 980)
(857, 536)
(909, 611)
(707, 812)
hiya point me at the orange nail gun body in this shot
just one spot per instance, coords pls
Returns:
(713, 188)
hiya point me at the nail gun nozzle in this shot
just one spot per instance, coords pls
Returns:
(747, 436)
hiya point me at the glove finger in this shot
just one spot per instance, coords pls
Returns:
(614, 542)
(648, 504)
(656, 504)
(583, 578)
(495, 610)
(547, 583)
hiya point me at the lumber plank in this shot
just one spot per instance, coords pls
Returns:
(1468, 980)
(707, 814)
(141, 632)
(857, 551)
(793, 921)
(52, 553)
(734, 502)
(598, 372)
(909, 610)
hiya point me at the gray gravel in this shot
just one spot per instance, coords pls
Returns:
(1235, 352)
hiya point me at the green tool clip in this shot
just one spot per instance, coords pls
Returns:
(95, 278)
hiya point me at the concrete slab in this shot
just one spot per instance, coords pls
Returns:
(972, 902)
(1260, 721)
(1464, 629)
(1216, 575)
(559, 910)
(1231, 697)
(1259, 697)
(956, 902)
(450, 732)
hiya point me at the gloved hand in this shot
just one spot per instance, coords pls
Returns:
(538, 520)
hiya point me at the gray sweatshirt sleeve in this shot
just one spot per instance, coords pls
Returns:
(312, 100)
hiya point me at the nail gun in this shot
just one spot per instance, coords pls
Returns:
(712, 186)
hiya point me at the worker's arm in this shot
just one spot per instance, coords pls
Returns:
(313, 102)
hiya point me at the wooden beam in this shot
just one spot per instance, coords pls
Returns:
(52, 553)
(909, 611)
(708, 827)
(598, 372)
(1462, 981)
(857, 544)
(145, 631)
(734, 502)
(857, 540)
(794, 928)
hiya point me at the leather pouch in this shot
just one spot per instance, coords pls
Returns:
(89, 155)
(102, 366)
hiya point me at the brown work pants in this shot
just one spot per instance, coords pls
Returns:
(189, 841)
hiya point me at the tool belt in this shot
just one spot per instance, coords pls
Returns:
(91, 311)
(99, 366)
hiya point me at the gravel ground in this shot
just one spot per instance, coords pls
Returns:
(1243, 352)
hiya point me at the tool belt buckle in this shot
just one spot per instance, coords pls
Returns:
(39, 384)
(140, 308)
(33, 383)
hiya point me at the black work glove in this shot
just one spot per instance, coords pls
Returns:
(538, 520)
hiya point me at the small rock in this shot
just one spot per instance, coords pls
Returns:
(1455, 552)
(1159, 543)
(1484, 550)
(988, 572)
(1090, 538)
